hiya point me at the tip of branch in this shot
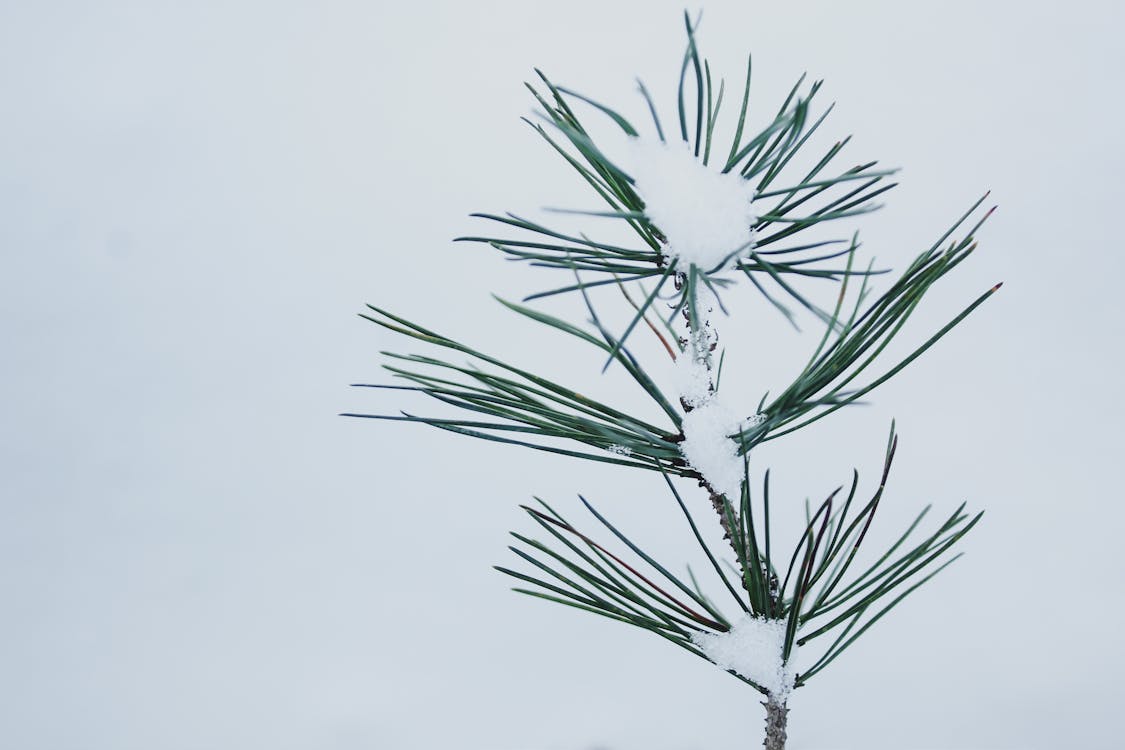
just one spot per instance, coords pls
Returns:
(993, 289)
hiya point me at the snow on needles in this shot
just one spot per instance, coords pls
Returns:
(753, 648)
(690, 374)
(707, 423)
(707, 218)
(704, 214)
(707, 446)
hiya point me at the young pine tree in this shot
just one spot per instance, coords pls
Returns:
(705, 216)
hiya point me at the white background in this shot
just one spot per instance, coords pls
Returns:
(196, 552)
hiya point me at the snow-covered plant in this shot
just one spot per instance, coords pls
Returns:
(703, 218)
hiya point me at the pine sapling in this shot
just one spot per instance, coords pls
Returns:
(704, 218)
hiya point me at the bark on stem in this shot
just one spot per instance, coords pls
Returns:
(718, 504)
(777, 716)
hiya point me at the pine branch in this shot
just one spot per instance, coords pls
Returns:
(823, 584)
(817, 596)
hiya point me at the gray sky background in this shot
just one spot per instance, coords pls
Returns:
(195, 552)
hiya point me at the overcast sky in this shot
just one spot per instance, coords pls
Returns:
(197, 553)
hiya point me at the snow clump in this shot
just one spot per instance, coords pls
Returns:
(708, 448)
(708, 424)
(753, 648)
(705, 215)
